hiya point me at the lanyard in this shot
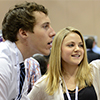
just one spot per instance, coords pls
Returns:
(68, 95)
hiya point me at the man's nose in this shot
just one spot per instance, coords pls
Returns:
(52, 33)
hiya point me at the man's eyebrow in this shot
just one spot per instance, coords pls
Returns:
(46, 23)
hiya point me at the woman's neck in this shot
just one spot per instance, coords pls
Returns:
(69, 71)
(69, 74)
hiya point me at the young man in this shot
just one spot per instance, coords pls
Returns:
(26, 29)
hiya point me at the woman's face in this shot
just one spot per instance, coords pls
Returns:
(72, 49)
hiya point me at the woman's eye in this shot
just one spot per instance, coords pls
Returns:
(81, 45)
(70, 45)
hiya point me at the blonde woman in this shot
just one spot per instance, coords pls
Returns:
(69, 76)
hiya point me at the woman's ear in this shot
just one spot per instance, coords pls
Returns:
(23, 34)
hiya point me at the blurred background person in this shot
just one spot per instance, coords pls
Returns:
(36, 67)
(91, 55)
(43, 62)
(33, 70)
(95, 48)
(47, 58)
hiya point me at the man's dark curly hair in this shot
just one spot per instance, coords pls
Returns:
(21, 16)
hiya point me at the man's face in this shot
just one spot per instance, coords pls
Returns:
(41, 40)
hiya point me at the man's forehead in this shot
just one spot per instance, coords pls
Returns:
(39, 14)
(41, 18)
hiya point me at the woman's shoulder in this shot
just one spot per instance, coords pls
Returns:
(95, 64)
(41, 81)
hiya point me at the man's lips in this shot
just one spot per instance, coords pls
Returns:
(50, 43)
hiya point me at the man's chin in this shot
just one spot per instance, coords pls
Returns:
(46, 53)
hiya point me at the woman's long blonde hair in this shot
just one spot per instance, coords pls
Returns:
(83, 75)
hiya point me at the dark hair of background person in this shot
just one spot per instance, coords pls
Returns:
(89, 43)
(91, 38)
(21, 16)
(47, 57)
(43, 63)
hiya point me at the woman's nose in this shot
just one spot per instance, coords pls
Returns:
(76, 48)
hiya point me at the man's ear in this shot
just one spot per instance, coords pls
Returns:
(23, 34)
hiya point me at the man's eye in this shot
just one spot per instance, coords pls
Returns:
(70, 45)
(45, 26)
